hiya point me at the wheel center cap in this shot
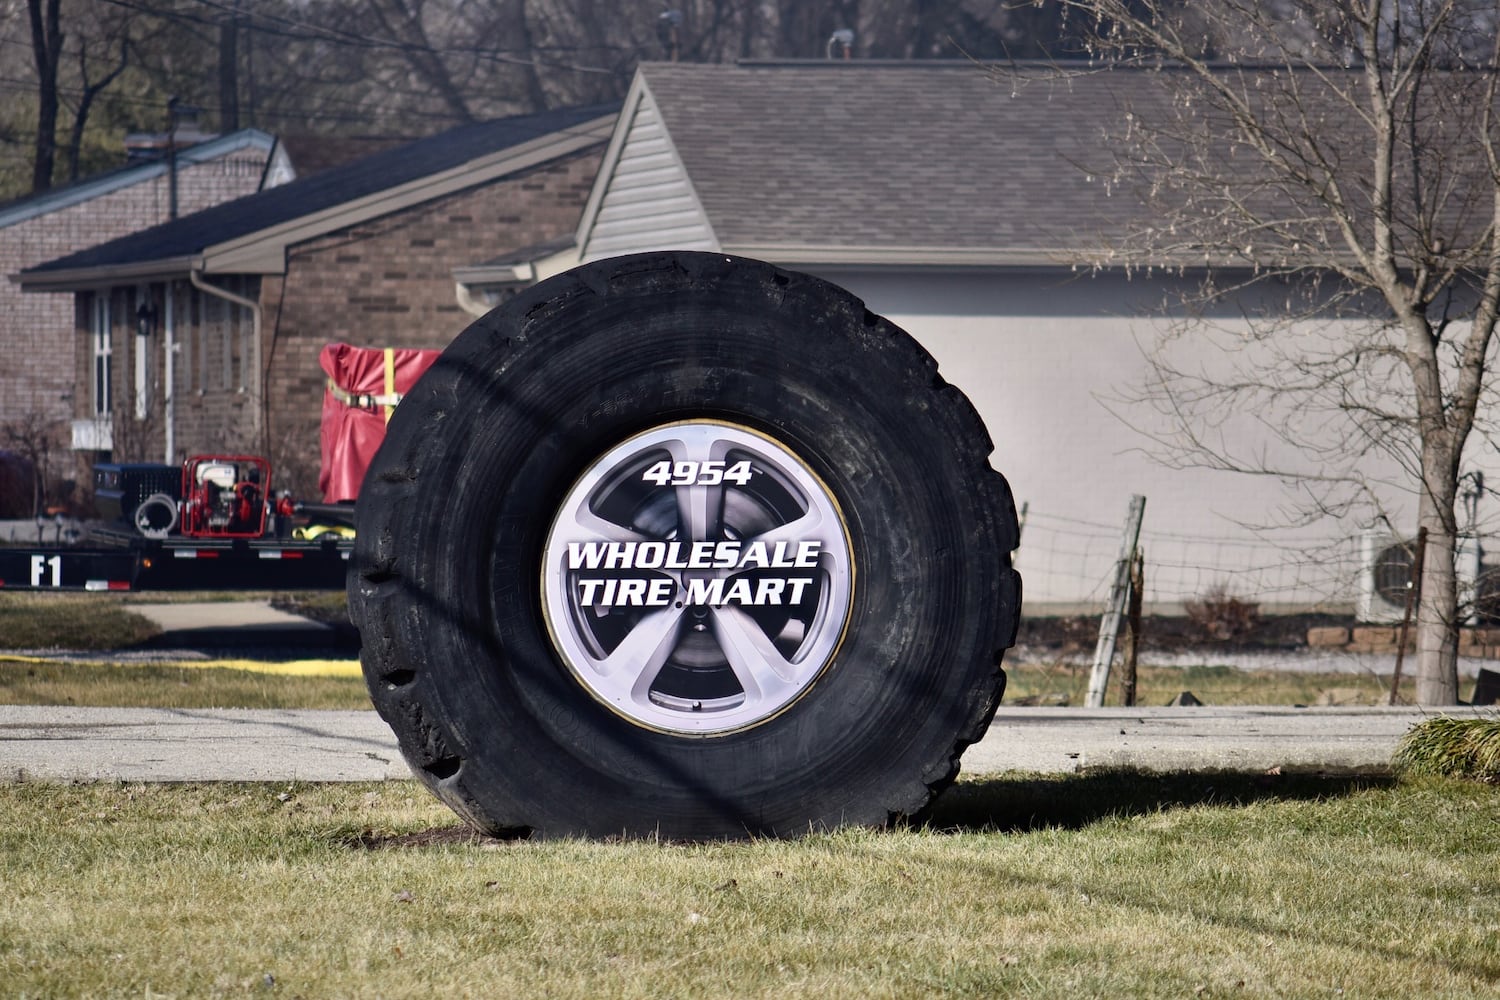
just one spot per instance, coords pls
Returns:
(698, 578)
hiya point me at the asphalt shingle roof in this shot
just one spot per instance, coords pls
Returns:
(1023, 162)
(379, 172)
(76, 192)
(936, 154)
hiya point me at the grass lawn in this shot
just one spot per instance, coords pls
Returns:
(69, 621)
(1080, 885)
(104, 622)
(1113, 885)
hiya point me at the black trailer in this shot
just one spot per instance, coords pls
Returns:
(210, 524)
(105, 563)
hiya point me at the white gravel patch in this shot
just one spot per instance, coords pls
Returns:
(1322, 661)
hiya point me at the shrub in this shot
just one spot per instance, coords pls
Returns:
(1222, 615)
(1461, 748)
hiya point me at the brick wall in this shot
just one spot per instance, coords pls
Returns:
(389, 283)
(41, 338)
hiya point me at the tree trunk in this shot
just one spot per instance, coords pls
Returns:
(536, 94)
(46, 49)
(1437, 615)
(229, 77)
(91, 92)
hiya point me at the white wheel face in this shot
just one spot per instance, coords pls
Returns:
(697, 578)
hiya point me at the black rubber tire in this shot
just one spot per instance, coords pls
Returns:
(454, 511)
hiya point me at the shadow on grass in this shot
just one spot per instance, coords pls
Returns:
(1070, 802)
(457, 835)
(268, 643)
(1024, 804)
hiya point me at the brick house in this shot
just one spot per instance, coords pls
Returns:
(37, 332)
(203, 334)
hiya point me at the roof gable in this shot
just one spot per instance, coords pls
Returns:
(645, 199)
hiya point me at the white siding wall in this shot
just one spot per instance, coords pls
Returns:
(649, 203)
(1041, 357)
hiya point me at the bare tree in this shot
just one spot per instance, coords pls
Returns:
(34, 437)
(405, 23)
(411, 67)
(229, 70)
(46, 49)
(91, 87)
(1341, 157)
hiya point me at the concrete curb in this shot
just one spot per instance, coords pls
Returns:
(1248, 740)
(42, 743)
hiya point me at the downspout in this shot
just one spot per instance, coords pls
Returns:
(468, 302)
(195, 275)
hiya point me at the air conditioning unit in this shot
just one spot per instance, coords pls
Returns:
(1385, 574)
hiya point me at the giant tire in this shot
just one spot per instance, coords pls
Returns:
(851, 707)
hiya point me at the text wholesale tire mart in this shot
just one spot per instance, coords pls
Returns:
(685, 545)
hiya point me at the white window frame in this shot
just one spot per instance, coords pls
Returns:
(141, 349)
(100, 324)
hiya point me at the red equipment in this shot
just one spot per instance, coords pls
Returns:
(364, 386)
(224, 496)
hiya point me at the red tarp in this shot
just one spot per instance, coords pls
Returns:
(363, 387)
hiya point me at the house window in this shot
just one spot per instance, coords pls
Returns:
(100, 337)
(139, 349)
(246, 346)
(222, 334)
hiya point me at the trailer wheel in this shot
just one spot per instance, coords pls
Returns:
(686, 545)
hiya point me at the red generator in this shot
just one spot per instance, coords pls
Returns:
(224, 496)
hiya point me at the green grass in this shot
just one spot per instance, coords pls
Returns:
(104, 622)
(328, 606)
(163, 685)
(1079, 886)
(101, 621)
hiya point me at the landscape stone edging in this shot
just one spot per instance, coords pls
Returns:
(1477, 643)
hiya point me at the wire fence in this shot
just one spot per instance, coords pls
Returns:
(1066, 562)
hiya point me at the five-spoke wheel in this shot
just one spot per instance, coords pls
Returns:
(697, 578)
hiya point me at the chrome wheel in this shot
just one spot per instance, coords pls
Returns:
(697, 578)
